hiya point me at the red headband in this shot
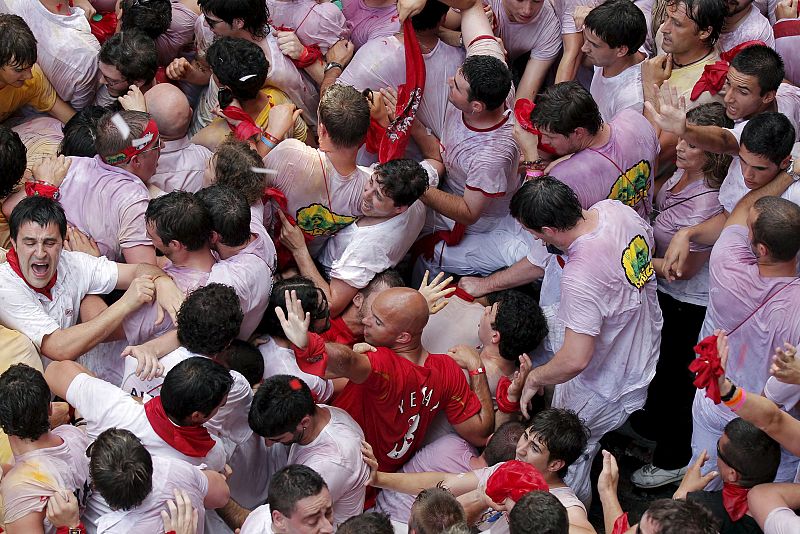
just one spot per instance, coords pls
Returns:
(141, 144)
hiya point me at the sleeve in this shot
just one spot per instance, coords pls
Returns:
(23, 312)
(567, 22)
(100, 403)
(132, 231)
(336, 476)
(461, 402)
(781, 521)
(733, 246)
(548, 43)
(490, 166)
(360, 262)
(101, 273)
(230, 421)
(43, 95)
(325, 26)
(386, 378)
(579, 310)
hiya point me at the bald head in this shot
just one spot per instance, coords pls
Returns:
(170, 109)
(405, 309)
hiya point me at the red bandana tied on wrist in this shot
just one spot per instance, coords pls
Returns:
(713, 77)
(621, 525)
(194, 441)
(708, 368)
(146, 141)
(501, 396)
(247, 127)
(314, 358)
(734, 499)
(514, 479)
(13, 262)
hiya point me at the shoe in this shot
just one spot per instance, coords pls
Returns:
(650, 476)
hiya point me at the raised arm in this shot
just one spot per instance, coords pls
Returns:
(775, 188)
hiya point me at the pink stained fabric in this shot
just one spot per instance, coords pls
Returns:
(41, 137)
(633, 146)
(541, 36)
(365, 23)
(181, 166)
(178, 40)
(754, 27)
(565, 9)
(787, 41)
(322, 24)
(608, 291)
(106, 203)
(619, 92)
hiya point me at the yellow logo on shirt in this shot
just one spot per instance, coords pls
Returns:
(633, 186)
(637, 263)
(317, 220)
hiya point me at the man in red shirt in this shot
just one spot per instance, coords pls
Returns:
(396, 389)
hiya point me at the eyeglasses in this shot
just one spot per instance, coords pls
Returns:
(112, 83)
(727, 462)
(157, 146)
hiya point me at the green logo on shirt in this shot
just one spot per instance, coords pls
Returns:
(632, 187)
(636, 262)
(317, 220)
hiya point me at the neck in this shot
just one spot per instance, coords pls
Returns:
(226, 251)
(584, 226)
(484, 119)
(477, 462)
(350, 318)
(599, 139)
(378, 3)
(59, 7)
(20, 446)
(256, 105)
(412, 351)
(343, 160)
(732, 22)
(199, 260)
(691, 176)
(428, 39)
(769, 268)
(691, 56)
(553, 480)
(623, 64)
(319, 420)
(491, 353)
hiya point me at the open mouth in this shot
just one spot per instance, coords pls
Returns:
(40, 269)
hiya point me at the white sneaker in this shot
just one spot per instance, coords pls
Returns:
(650, 476)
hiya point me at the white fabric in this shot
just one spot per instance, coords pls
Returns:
(787, 45)
(33, 314)
(281, 361)
(258, 522)
(788, 100)
(253, 464)
(541, 37)
(784, 395)
(754, 26)
(781, 520)
(618, 92)
(181, 165)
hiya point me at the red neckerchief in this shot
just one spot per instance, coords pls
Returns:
(275, 196)
(734, 499)
(13, 262)
(339, 332)
(713, 77)
(194, 441)
(708, 368)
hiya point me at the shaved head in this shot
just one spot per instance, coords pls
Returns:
(405, 309)
(170, 109)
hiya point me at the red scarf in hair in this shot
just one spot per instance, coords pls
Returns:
(734, 499)
(194, 441)
(713, 77)
(13, 262)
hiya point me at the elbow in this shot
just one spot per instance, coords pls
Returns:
(218, 492)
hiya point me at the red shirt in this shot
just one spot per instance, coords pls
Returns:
(339, 332)
(399, 400)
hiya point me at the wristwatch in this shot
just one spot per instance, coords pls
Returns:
(331, 65)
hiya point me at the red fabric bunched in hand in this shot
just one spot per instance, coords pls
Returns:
(425, 246)
(514, 479)
(245, 129)
(13, 262)
(194, 441)
(621, 524)
(314, 358)
(501, 396)
(522, 112)
(285, 257)
(713, 77)
(309, 56)
(734, 499)
(708, 368)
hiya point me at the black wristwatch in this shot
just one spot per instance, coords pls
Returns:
(331, 65)
(730, 394)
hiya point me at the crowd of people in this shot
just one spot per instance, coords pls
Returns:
(398, 266)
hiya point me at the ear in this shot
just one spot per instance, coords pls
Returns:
(762, 250)
(399, 210)
(555, 466)
(495, 337)
(238, 24)
(279, 522)
(214, 238)
(477, 106)
(769, 98)
(705, 34)
(403, 337)
(305, 421)
(358, 300)
(785, 163)
(622, 51)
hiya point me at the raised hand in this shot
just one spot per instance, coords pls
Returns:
(182, 517)
(785, 366)
(529, 390)
(608, 480)
(409, 8)
(62, 509)
(141, 291)
(676, 255)
(133, 100)
(517, 382)
(52, 170)
(435, 291)
(693, 480)
(289, 44)
(671, 113)
(369, 458)
(295, 321)
(148, 365)
(77, 241)
(786, 9)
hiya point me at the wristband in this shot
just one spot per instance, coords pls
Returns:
(739, 401)
(309, 56)
(478, 371)
(271, 137)
(730, 394)
(313, 359)
(80, 529)
(268, 143)
(501, 397)
(332, 64)
(532, 174)
(42, 189)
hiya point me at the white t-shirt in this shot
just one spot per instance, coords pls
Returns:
(281, 361)
(253, 464)
(33, 314)
(336, 455)
(618, 92)
(258, 522)
(781, 521)
(169, 474)
(357, 253)
(105, 406)
(541, 37)
(754, 26)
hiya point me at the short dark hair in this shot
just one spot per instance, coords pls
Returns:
(546, 201)
(520, 322)
(25, 402)
(777, 227)
(233, 166)
(182, 217)
(538, 512)
(434, 510)
(290, 485)
(502, 446)
(209, 319)
(754, 455)
(310, 296)
(705, 14)
(233, 61)
(13, 159)
(40, 210)
(345, 114)
(712, 114)
(383, 280)
(679, 516)
(110, 140)
(196, 384)
(153, 17)
(430, 17)
(230, 213)
(121, 468)
(132, 53)
(368, 522)
(80, 133)
(279, 405)
(564, 107)
(245, 359)
(770, 135)
(618, 23)
(17, 43)
(254, 13)
(563, 433)
(762, 62)
(489, 80)
(402, 180)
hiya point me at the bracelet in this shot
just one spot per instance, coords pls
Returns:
(735, 398)
(271, 137)
(332, 64)
(532, 174)
(80, 529)
(39, 188)
(729, 395)
(538, 164)
(478, 371)
(740, 403)
(268, 143)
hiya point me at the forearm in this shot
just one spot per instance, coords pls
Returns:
(707, 232)
(200, 74)
(775, 188)
(533, 77)
(570, 60)
(558, 370)
(473, 504)
(611, 509)
(521, 273)
(233, 514)
(711, 138)
(72, 342)
(480, 386)
(459, 4)
(410, 483)
(326, 79)
(427, 142)
(449, 205)
(164, 344)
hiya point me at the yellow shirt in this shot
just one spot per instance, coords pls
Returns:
(276, 98)
(36, 92)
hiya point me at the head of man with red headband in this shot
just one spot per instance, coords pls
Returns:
(129, 140)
